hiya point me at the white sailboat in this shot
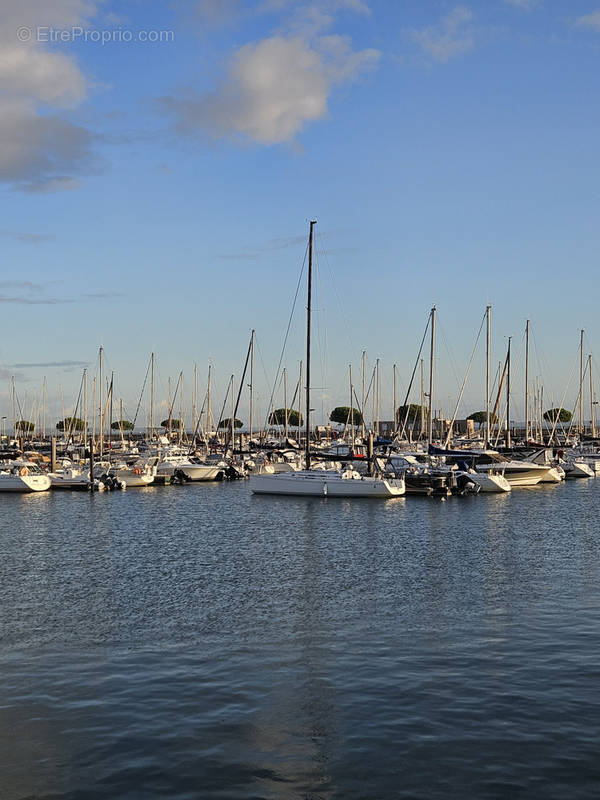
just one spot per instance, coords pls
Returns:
(322, 483)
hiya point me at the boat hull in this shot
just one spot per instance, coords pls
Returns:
(322, 484)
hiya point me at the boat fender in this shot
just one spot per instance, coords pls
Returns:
(137, 471)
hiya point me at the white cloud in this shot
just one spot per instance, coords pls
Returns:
(451, 37)
(38, 148)
(589, 21)
(274, 87)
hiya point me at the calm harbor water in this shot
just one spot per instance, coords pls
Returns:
(199, 642)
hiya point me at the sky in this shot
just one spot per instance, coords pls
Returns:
(160, 163)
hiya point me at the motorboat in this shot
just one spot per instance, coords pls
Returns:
(23, 476)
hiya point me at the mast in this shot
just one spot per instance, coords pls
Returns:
(527, 382)
(592, 420)
(285, 411)
(195, 399)
(308, 320)
(431, 361)
(362, 399)
(508, 394)
(232, 422)
(422, 421)
(101, 408)
(152, 397)
(351, 406)
(394, 401)
(299, 403)
(208, 408)
(487, 377)
(251, 385)
(44, 408)
(377, 387)
(85, 407)
(581, 385)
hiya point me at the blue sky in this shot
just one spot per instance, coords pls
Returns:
(156, 195)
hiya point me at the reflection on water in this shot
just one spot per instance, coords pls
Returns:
(198, 642)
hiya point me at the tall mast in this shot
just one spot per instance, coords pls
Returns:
(308, 320)
(581, 385)
(285, 408)
(251, 383)
(394, 401)
(487, 376)
(592, 420)
(208, 408)
(299, 402)
(377, 394)
(151, 397)
(431, 361)
(362, 399)
(195, 399)
(527, 382)
(44, 407)
(232, 422)
(351, 405)
(181, 425)
(101, 408)
(508, 394)
(85, 407)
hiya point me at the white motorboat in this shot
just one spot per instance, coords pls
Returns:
(70, 478)
(23, 476)
(133, 477)
(326, 483)
(577, 468)
(487, 481)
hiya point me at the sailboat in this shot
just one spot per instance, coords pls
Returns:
(322, 482)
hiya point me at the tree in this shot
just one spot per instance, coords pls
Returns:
(175, 424)
(70, 424)
(344, 415)
(414, 413)
(558, 415)
(24, 425)
(126, 425)
(226, 423)
(278, 417)
(480, 417)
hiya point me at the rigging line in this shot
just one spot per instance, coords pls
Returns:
(223, 406)
(74, 415)
(141, 394)
(344, 316)
(462, 388)
(287, 332)
(562, 401)
(412, 377)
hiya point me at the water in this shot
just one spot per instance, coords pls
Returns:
(199, 642)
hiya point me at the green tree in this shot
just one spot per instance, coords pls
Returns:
(24, 425)
(480, 417)
(127, 425)
(344, 415)
(558, 415)
(226, 423)
(175, 424)
(278, 417)
(70, 424)
(414, 413)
